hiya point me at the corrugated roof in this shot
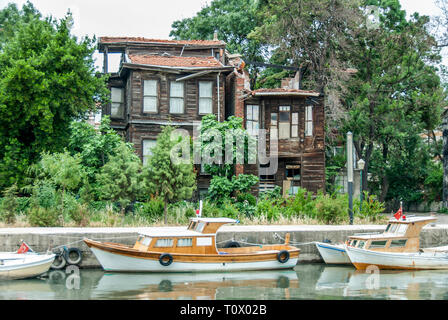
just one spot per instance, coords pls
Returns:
(107, 40)
(176, 61)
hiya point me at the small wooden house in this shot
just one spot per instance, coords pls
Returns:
(177, 82)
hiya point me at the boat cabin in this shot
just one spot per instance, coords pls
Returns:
(198, 238)
(400, 236)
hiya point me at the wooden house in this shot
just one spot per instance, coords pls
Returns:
(163, 82)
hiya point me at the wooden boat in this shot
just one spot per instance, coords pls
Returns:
(398, 248)
(399, 236)
(24, 265)
(192, 250)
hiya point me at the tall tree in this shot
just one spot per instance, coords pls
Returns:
(47, 79)
(165, 178)
(232, 20)
(396, 93)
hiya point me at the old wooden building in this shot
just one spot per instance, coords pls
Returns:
(163, 82)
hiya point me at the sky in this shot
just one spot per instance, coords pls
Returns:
(145, 18)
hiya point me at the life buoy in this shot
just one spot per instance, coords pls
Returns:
(59, 262)
(73, 256)
(283, 256)
(232, 244)
(163, 261)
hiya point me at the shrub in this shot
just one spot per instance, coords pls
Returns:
(8, 207)
(81, 215)
(371, 208)
(151, 210)
(44, 217)
(275, 193)
(330, 209)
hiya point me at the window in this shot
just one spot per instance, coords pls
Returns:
(284, 123)
(295, 125)
(117, 102)
(252, 116)
(205, 97)
(387, 228)
(164, 243)
(402, 228)
(309, 121)
(185, 242)
(354, 243)
(274, 127)
(398, 243)
(146, 241)
(150, 95)
(200, 227)
(203, 241)
(378, 244)
(147, 146)
(361, 244)
(176, 97)
(293, 172)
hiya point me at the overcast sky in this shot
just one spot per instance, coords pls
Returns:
(145, 18)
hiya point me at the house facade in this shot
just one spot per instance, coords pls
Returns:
(177, 82)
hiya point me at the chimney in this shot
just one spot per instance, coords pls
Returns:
(215, 36)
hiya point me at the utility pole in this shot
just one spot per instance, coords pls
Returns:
(350, 174)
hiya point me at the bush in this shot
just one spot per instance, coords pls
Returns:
(371, 208)
(44, 217)
(151, 210)
(332, 210)
(275, 193)
(81, 215)
(8, 207)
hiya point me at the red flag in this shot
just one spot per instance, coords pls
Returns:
(23, 248)
(398, 214)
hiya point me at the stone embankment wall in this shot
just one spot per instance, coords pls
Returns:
(42, 239)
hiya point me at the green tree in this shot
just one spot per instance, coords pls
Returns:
(232, 20)
(165, 178)
(95, 147)
(120, 179)
(47, 79)
(396, 93)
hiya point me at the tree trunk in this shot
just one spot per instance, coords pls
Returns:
(445, 160)
(384, 178)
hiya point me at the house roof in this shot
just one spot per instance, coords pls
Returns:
(176, 61)
(283, 92)
(112, 40)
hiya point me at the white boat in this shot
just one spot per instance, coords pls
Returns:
(333, 253)
(362, 258)
(24, 265)
(192, 250)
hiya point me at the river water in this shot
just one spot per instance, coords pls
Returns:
(305, 281)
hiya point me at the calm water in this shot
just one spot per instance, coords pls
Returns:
(306, 281)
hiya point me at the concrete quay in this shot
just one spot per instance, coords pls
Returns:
(302, 236)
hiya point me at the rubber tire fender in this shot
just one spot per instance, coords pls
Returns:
(165, 263)
(61, 265)
(70, 260)
(286, 256)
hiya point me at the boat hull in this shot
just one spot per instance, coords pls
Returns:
(362, 259)
(28, 266)
(333, 253)
(127, 260)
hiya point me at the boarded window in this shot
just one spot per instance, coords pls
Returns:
(252, 119)
(284, 123)
(117, 102)
(185, 242)
(205, 97)
(176, 97)
(309, 121)
(147, 149)
(274, 126)
(203, 241)
(164, 243)
(150, 96)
